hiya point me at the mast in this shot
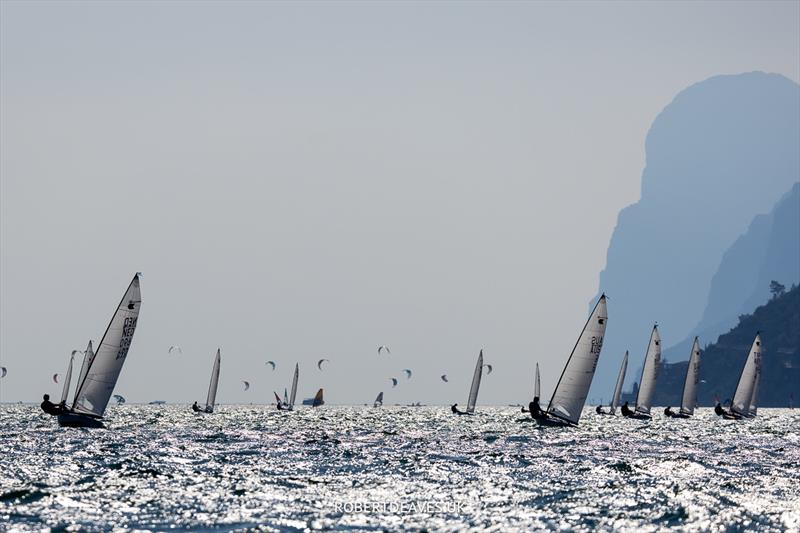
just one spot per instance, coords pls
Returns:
(689, 398)
(570, 393)
(620, 381)
(476, 384)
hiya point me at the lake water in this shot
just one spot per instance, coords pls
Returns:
(251, 467)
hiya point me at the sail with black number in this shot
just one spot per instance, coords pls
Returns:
(212, 386)
(689, 398)
(293, 395)
(620, 381)
(537, 384)
(103, 368)
(476, 384)
(652, 365)
(743, 396)
(572, 388)
(65, 390)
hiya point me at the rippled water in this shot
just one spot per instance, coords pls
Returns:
(408, 468)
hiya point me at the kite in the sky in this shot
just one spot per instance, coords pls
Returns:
(384, 347)
(55, 378)
(394, 382)
(119, 398)
(3, 371)
(272, 364)
(246, 384)
(319, 363)
(490, 369)
(175, 348)
(408, 373)
(444, 378)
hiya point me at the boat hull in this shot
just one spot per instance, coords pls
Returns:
(73, 420)
(553, 422)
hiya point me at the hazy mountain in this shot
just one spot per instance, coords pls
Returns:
(723, 151)
(721, 363)
(769, 250)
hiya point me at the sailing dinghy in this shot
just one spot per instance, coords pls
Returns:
(211, 399)
(537, 388)
(473, 389)
(317, 401)
(647, 383)
(378, 400)
(617, 389)
(689, 397)
(293, 395)
(744, 403)
(101, 369)
(570, 393)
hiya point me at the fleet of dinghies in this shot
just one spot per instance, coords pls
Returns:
(101, 369)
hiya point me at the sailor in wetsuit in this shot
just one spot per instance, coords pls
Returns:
(669, 412)
(599, 410)
(196, 408)
(279, 405)
(536, 411)
(456, 410)
(626, 411)
(52, 409)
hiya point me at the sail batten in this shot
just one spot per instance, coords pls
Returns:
(102, 370)
(476, 384)
(213, 384)
(620, 381)
(572, 388)
(748, 380)
(652, 365)
(689, 398)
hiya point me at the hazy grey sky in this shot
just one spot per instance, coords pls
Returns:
(311, 180)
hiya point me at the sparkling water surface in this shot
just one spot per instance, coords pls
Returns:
(396, 468)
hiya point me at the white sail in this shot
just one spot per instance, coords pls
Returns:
(620, 381)
(689, 399)
(88, 357)
(476, 384)
(211, 400)
(572, 388)
(537, 385)
(293, 396)
(65, 390)
(652, 365)
(102, 372)
(747, 380)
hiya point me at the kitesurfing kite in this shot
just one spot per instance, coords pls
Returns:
(246, 384)
(3, 371)
(119, 398)
(444, 378)
(408, 373)
(394, 382)
(489, 367)
(175, 349)
(272, 364)
(384, 347)
(55, 378)
(319, 363)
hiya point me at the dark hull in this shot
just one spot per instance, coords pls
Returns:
(553, 422)
(73, 420)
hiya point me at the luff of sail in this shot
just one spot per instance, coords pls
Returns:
(689, 398)
(754, 399)
(476, 384)
(211, 399)
(747, 380)
(537, 385)
(88, 357)
(293, 396)
(65, 390)
(102, 372)
(620, 381)
(572, 388)
(652, 364)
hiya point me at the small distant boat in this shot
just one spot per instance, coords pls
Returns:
(293, 396)
(378, 400)
(157, 402)
(745, 399)
(647, 383)
(211, 399)
(689, 397)
(572, 388)
(473, 389)
(317, 400)
(617, 389)
(100, 371)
